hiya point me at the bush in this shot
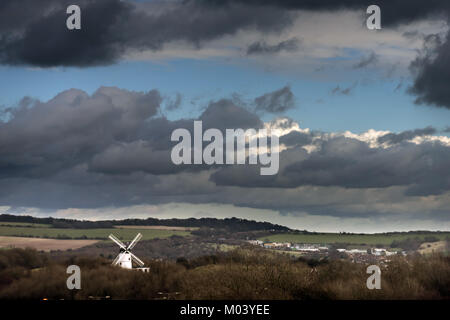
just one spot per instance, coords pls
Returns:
(238, 274)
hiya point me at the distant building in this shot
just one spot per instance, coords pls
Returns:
(277, 245)
(382, 252)
(356, 251)
(309, 249)
(256, 242)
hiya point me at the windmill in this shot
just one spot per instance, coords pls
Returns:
(125, 258)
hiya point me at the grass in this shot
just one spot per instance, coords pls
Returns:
(369, 239)
(54, 233)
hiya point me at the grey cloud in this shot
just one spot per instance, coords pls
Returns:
(277, 101)
(43, 137)
(431, 72)
(112, 131)
(366, 61)
(108, 148)
(296, 138)
(224, 114)
(151, 149)
(341, 91)
(412, 34)
(399, 86)
(112, 148)
(125, 158)
(350, 163)
(175, 103)
(406, 135)
(261, 47)
(248, 175)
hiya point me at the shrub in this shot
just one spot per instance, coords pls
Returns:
(237, 274)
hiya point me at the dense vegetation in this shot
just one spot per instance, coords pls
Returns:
(238, 274)
(169, 248)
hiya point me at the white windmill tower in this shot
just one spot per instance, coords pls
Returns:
(125, 258)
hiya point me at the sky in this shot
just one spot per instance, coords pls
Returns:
(362, 115)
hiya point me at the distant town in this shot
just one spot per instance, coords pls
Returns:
(369, 255)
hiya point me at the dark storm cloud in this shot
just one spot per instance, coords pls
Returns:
(110, 27)
(34, 32)
(393, 11)
(15, 15)
(406, 135)
(45, 41)
(432, 73)
(261, 47)
(276, 102)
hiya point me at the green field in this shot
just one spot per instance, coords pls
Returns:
(369, 239)
(43, 231)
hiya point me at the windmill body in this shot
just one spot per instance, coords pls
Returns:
(125, 258)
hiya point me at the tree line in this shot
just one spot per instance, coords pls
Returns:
(235, 224)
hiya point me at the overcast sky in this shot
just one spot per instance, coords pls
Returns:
(363, 115)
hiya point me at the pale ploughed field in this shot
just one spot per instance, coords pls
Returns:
(43, 244)
(432, 247)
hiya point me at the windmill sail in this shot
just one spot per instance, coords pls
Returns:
(136, 260)
(135, 240)
(126, 258)
(117, 241)
(116, 260)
